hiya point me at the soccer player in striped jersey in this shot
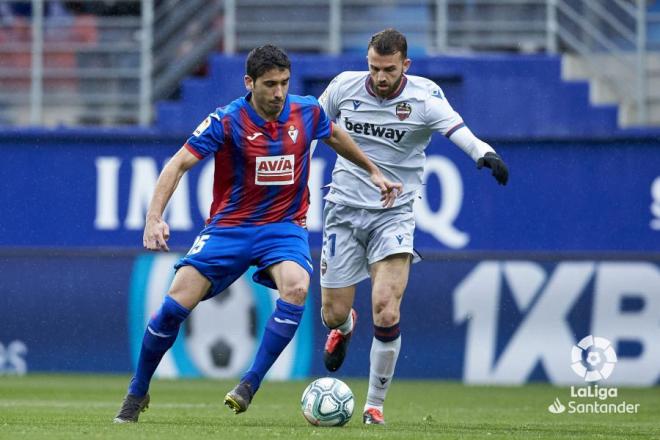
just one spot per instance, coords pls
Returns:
(261, 144)
(391, 116)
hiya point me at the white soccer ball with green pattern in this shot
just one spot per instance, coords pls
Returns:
(327, 402)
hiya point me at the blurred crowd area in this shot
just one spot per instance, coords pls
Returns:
(82, 24)
(73, 22)
(64, 22)
(73, 32)
(91, 58)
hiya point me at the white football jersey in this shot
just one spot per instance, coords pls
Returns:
(392, 132)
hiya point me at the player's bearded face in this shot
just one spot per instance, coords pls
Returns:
(269, 92)
(386, 71)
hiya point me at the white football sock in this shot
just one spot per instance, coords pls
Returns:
(383, 361)
(347, 326)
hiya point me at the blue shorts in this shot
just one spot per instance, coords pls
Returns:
(223, 254)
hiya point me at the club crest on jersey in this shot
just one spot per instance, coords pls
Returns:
(274, 170)
(356, 104)
(293, 133)
(403, 110)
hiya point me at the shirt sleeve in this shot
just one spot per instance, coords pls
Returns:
(328, 99)
(440, 116)
(469, 143)
(207, 138)
(323, 127)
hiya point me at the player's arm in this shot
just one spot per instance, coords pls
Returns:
(480, 152)
(328, 103)
(440, 116)
(346, 147)
(156, 231)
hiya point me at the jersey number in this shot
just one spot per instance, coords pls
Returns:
(332, 238)
(198, 244)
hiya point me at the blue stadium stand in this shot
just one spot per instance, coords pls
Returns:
(501, 96)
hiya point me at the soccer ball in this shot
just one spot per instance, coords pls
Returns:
(327, 402)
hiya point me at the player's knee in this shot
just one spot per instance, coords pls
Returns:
(184, 297)
(294, 293)
(189, 287)
(386, 318)
(386, 314)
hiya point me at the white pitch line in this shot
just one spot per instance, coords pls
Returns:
(4, 403)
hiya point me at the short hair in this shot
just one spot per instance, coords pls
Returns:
(389, 42)
(264, 58)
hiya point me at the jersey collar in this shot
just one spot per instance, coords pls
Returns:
(282, 118)
(395, 94)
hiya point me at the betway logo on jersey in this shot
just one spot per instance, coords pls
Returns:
(274, 170)
(370, 129)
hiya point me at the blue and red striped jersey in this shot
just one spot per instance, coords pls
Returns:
(261, 168)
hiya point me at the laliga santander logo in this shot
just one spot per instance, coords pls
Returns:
(593, 358)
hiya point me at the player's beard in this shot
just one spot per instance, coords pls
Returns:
(390, 90)
(271, 108)
(277, 105)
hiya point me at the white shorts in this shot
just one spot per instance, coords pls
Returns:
(354, 238)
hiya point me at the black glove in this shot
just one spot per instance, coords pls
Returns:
(493, 161)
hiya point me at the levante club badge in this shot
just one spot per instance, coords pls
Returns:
(403, 110)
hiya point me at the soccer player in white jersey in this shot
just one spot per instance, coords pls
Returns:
(391, 116)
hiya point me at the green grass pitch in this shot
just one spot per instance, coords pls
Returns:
(82, 407)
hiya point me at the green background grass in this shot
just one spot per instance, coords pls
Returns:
(82, 407)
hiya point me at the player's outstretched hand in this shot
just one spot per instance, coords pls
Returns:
(495, 163)
(388, 191)
(156, 234)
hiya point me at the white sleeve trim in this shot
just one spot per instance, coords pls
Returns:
(470, 144)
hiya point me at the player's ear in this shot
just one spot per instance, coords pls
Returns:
(249, 83)
(406, 64)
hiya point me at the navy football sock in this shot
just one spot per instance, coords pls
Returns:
(280, 329)
(159, 336)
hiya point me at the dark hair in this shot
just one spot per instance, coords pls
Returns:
(264, 58)
(389, 42)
